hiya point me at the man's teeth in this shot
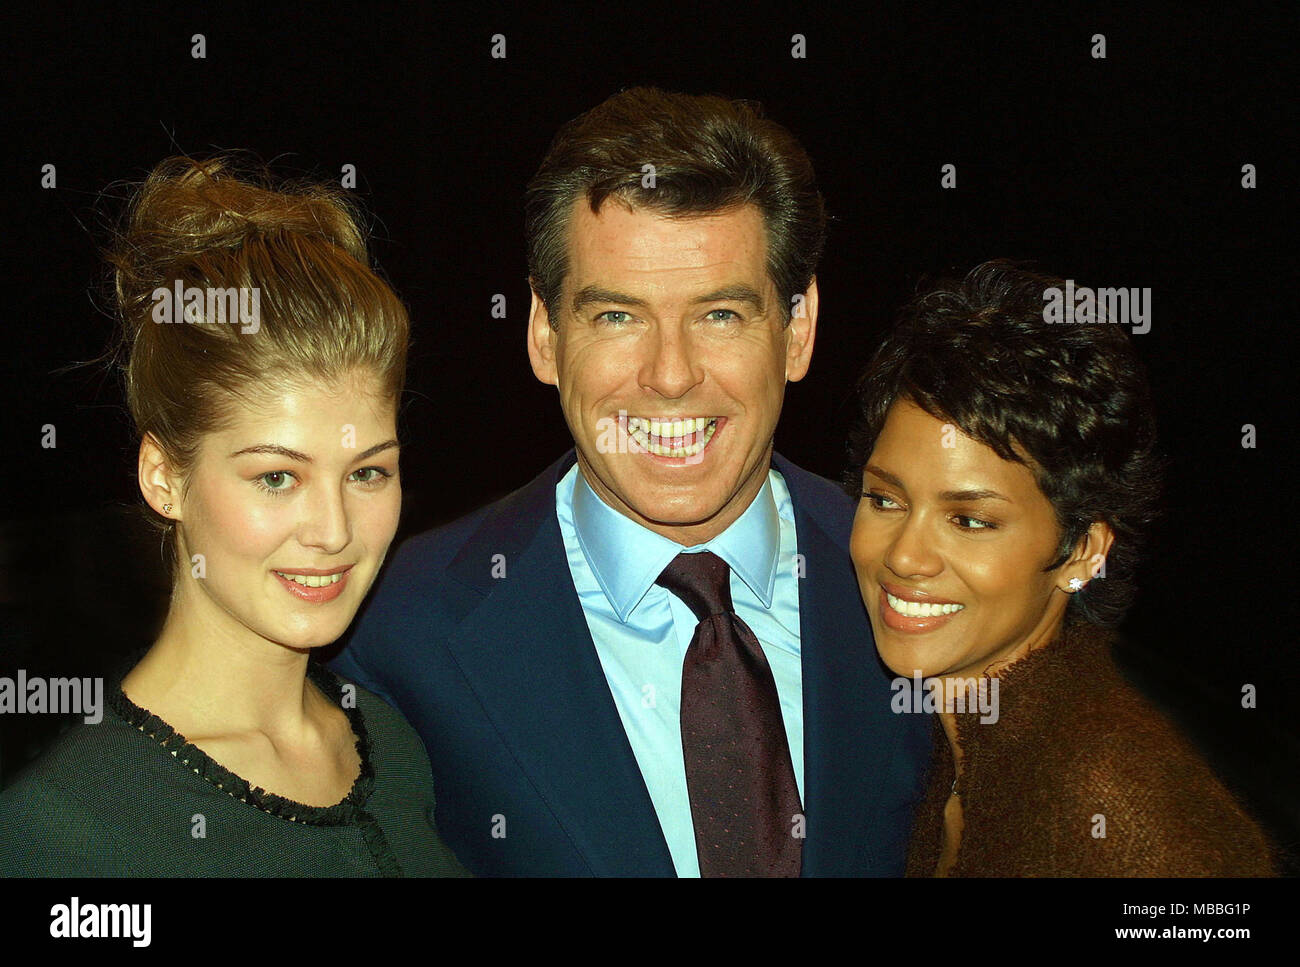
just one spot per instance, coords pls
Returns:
(313, 580)
(662, 428)
(914, 609)
(693, 434)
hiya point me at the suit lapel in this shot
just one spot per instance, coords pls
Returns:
(849, 738)
(526, 650)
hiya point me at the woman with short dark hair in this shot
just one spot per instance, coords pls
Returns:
(1007, 472)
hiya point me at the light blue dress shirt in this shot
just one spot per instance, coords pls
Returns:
(642, 631)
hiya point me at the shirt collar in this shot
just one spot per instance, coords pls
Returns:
(626, 557)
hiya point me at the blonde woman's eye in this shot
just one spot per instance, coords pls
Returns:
(370, 475)
(276, 481)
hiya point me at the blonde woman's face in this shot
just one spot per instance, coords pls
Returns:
(293, 508)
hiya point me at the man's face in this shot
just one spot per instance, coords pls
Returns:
(664, 320)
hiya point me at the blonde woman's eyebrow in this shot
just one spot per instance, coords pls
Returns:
(277, 450)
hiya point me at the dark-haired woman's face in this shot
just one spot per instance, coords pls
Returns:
(944, 520)
(293, 504)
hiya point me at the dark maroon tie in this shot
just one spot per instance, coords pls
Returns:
(744, 800)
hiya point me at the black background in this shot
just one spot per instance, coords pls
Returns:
(1117, 172)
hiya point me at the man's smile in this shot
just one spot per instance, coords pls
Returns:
(675, 436)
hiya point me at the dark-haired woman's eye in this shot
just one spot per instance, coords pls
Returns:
(980, 525)
(875, 499)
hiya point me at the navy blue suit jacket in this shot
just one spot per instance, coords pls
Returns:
(532, 768)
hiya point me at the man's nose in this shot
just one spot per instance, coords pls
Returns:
(672, 364)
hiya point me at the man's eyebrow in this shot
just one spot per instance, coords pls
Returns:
(592, 294)
(278, 450)
(951, 495)
(740, 292)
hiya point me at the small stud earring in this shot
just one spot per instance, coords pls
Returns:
(167, 508)
(1076, 584)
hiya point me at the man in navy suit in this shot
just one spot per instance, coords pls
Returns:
(535, 644)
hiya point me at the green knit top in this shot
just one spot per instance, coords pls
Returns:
(129, 796)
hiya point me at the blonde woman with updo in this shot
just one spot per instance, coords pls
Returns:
(263, 360)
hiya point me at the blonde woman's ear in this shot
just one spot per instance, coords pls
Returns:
(157, 483)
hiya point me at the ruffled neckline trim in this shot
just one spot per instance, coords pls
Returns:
(349, 810)
(1026, 677)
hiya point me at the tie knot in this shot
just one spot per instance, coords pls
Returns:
(702, 580)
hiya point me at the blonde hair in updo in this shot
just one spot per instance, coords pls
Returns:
(323, 311)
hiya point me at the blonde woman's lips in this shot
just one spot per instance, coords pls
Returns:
(314, 585)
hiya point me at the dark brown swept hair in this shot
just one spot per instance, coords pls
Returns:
(709, 154)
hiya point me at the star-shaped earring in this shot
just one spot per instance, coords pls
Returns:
(1076, 584)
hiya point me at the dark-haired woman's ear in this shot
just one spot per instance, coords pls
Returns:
(1089, 560)
(158, 484)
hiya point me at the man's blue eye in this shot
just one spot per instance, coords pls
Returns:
(614, 312)
(729, 315)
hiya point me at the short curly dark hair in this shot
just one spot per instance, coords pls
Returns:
(1073, 399)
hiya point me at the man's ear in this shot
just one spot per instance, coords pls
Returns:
(800, 333)
(161, 487)
(541, 341)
